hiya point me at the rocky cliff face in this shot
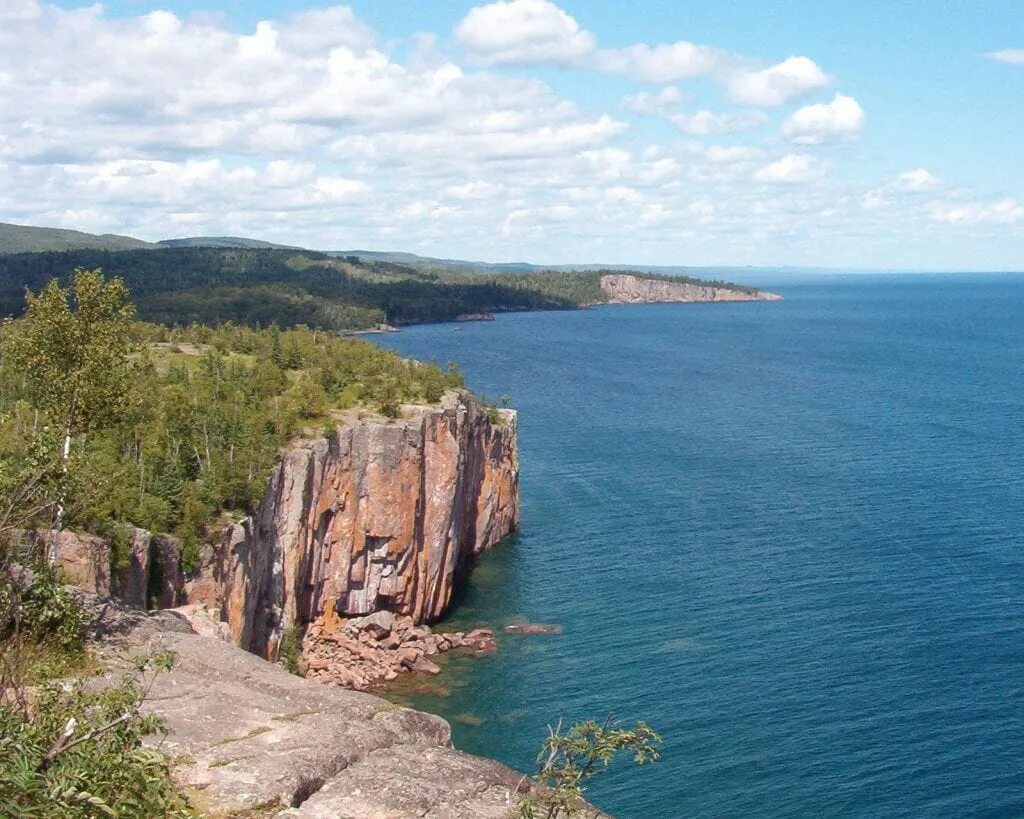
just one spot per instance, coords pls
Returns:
(379, 516)
(625, 289)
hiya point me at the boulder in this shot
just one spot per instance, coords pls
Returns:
(377, 625)
(424, 666)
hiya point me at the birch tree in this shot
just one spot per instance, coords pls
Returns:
(74, 349)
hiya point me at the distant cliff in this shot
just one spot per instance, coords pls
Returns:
(622, 288)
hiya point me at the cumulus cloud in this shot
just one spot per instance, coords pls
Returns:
(310, 129)
(662, 63)
(299, 85)
(790, 169)
(841, 118)
(646, 102)
(777, 84)
(733, 153)
(917, 181)
(704, 122)
(523, 31)
(1013, 56)
(1001, 212)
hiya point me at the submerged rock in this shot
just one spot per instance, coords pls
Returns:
(533, 628)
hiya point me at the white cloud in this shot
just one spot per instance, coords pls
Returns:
(13, 11)
(777, 84)
(646, 102)
(723, 154)
(662, 63)
(841, 118)
(791, 168)
(1013, 56)
(703, 122)
(473, 191)
(310, 129)
(917, 181)
(523, 31)
(1002, 212)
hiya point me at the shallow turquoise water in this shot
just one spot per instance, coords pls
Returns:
(788, 535)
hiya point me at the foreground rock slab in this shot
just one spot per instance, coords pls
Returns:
(248, 738)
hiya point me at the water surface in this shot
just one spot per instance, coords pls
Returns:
(787, 535)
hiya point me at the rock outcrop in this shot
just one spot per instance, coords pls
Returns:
(150, 576)
(249, 739)
(623, 288)
(382, 515)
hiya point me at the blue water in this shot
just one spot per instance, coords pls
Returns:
(789, 536)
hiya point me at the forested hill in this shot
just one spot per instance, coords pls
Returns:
(288, 288)
(28, 239)
(264, 287)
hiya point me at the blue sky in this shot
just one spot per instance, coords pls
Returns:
(868, 134)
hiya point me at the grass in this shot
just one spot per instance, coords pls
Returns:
(255, 732)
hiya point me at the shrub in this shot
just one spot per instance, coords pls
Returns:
(289, 651)
(81, 754)
(44, 611)
(566, 761)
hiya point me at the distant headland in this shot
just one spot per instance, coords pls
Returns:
(221, 279)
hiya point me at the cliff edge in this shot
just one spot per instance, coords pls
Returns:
(622, 288)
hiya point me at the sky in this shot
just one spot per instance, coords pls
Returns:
(876, 134)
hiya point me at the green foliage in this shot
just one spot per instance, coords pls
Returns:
(289, 650)
(30, 469)
(79, 753)
(566, 761)
(26, 239)
(73, 348)
(45, 611)
(183, 425)
(263, 286)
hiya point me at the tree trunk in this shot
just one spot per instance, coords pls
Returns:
(53, 548)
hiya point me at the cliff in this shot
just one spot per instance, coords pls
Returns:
(623, 288)
(380, 516)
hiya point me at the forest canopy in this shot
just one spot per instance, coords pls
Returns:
(289, 288)
(202, 411)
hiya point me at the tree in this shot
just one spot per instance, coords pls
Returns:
(566, 761)
(73, 347)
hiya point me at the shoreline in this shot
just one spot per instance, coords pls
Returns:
(491, 315)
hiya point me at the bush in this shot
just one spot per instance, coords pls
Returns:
(80, 754)
(43, 611)
(289, 651)
(566, 761)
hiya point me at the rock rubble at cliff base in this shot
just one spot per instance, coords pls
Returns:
(368, 652)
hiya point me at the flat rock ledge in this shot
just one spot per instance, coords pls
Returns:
(249, 739)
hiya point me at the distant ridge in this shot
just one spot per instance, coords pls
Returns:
(27, 239)
(226, 242)
(433, 264)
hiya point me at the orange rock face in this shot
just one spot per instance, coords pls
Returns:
(380, 516)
